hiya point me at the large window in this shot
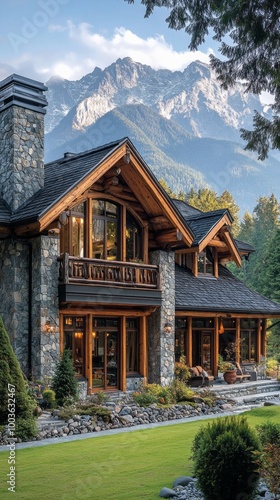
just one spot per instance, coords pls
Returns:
(133, 239)
(132, 346)
(73, 235)
(74, 340)
(114, 233)
(105, 217)
(248, 334)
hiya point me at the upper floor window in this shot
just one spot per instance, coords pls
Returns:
(105, 230)
(108, 231)
(73, 236)
(205, 263)
(133, 238)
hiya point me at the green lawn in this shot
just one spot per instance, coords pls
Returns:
(129, 466)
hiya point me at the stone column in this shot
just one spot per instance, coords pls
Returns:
(161, 342)
(45, 307)
(14, 293)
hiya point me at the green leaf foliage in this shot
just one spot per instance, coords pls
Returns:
(223, 459)
(64, 381)
(17, 403)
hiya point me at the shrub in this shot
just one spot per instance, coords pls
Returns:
(64, 381)
(269, 433)
(269, 466)
(24, 405)
(144, 398)
(223, 459)
(181, 370)
(49, 398)
(180, 392)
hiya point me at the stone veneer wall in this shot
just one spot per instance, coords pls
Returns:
(45, 307)
(14, 291)
(160, 343)
(21, 154)
(14, 304)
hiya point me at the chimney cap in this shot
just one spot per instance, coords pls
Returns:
(21, 91)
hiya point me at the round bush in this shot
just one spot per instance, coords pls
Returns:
(223, 460)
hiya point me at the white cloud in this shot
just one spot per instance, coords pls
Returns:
(154, 51)
(80, 50)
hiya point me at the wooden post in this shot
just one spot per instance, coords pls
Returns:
(89, 351)
(216, 347)
(238, 354)
(143, 347)
(263, 337)
(189, 360)
(122, 353)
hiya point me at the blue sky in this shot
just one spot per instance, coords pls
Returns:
(69, 38)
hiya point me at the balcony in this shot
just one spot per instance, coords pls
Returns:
(77, 269)
(99, 281)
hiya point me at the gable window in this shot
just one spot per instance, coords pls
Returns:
(106, 231)
(105, 218)
(205, 263)
(73, 235)
(133, 238)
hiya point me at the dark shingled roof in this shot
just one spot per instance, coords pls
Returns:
(243, 246)
(201, 223)
(223, 294)
(60, 177)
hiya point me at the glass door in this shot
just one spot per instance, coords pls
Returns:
(74, 340)
(105, 353)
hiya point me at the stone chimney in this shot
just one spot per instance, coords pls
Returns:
(22, 104)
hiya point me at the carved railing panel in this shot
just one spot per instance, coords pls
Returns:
(76, 269)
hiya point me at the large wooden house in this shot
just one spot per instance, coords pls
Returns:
(96, 257)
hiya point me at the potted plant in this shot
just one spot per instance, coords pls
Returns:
(228, 369)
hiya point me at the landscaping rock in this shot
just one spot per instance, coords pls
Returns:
(183, 481)
(167, 493)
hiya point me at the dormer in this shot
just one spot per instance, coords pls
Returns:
(213, 243)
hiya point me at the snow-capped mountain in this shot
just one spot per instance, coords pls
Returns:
(183, 124)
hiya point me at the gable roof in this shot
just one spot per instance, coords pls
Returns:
(200, 222)
(223, 294)
(67, 179)
(60, 177)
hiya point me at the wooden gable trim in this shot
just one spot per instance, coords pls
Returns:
(234, 251)
(151, 197)
(214, 231)
(78, 190)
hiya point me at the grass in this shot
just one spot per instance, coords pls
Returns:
(122, 466)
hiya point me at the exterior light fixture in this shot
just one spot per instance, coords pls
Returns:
(49, 328)
(221, 327)
(167, 327)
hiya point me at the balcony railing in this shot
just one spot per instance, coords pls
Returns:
(97, 271)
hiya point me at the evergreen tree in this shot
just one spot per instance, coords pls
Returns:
(179, 196)
(207, 200)
(249, 35)
(64, 381)
(13, 386)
